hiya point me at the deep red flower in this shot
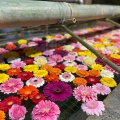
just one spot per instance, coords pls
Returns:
(25, 75)
(37, 98)
(116, 61)
(7, 103)
(60, 66)
(92, 80)
(29, 61)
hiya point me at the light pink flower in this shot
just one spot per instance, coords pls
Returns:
(23, 46)
(69, 58)
(11, 86)
(36, 39)
(48, 52)
(93, 107)
(74, 54)
(18, 64)
(76, 45)
(2, 50)
(52, 63)
(84, 93)
(101, 89)
(55, 58)
(58, 37)
(32, 44)
(17, 112)
(107, 52)
(45, 110)
(69, 63)
(81, 67)
(107, 67)
(80, 58)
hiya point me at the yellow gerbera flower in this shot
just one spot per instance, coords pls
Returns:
(115, 56)
(70, 69)
(22, 41)
(85, 53)
(30, 68)
(97, 67)
(98, 46)
(40, 73)
(4, 67)
(110, 82)
(3, 77)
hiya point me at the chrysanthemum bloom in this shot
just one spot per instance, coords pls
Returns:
(17, 112)
(80, 58)
(14, 71)
(71, 69)
(45, 110)
(30, 68)
(66, 77)
(40, 73)
(55, 71)
(61, 52)
(22, 41)
(69, 58)
(25, 75)
(92, 80)
(57, 91)
(37, 98)
(95, 73)
(81, 67)
(4, 67)
(107, 73)
(79, 81)
(37, 82)
(18, 64)
(74, 54)
(51, 78)
(69, 63)
(3, 77)
(29, 61)
(2, 115)
(51, 63)
(82, 73)
(11, 86)
(55, 58)
(110, 82)
(97, 67)
(101, 89)
(93, 107)
(27, 92)
(48, 53)
(6, 104)
(84, 93)
(10, 54)
(46, 67)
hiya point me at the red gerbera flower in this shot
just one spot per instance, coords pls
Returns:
(7, 103)
(37, 98)
(29, 61)
(25, 75)
(60, 66)
(92, 80)
(51, 77)
(13, 71)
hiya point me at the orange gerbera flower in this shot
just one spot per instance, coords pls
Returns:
(51, 77)
(13, 71)
(77, 50)
(95, 73)
(10, 46)
(58, 48)
(2, 115)
(82, 73)
(27, 92)
(46, 67)
(55, 71)
(79, 81)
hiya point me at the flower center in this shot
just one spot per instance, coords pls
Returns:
(10, 85)
(92, 105)
(38, 97)
(10, 102)
(57, 90)
(25, 74)
(66, 75)
(91, 79)
(85, 92)
(35, 80)
(28, 92)
(46, 109)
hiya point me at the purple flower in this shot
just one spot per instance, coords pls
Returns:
(57, 91)
(61, 52)
(99, 61)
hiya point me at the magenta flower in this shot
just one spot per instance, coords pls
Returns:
(45, 110)
(3, 50)
(11, 86)
(84, 93)
(101, 89)
(57, 91)
(17, 112)
(18, 64)
(93, 107)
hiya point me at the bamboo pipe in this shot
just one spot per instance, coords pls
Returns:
(14, 13)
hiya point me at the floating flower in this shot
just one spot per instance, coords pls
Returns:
(55, 58)
(11, 86)
(58, 37)
(4, 67)
(13, 59)
(57, 91)
(7, 103)
(51, 63)
(92, 80)
(97, 67)
(93, 107)
(107, 73)
(17, 112)
(69, 63)
(46, 67)
(101, 89)
(28, 61)
(79, 81)
(74, 54)
(95, 73)
(115, 56)
(84, 93)
(2, 115)
(70, 69)
(60, 66)
(3, 77)
(10, 54)
(30, 44)
(37, 98)
(82, 73)
(45, 110)
(22, 41)
(68, 48)
(25, 75)
(27, 92)
(3, 50)
(69, 58)
(107, 67)
(10, 46)
(40, 73)
(81, 67)
(37, 82)
(48, 53)
(80, 58)
(30, 68)
(51, 78)
(55, 71)
(66, 77)
(110, 82)
(18, 64)
(14, 71)
(99, 61)
(61, 52)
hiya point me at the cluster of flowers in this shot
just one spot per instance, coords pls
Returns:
(25, 69)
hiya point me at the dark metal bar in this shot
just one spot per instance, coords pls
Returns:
(111, 64)
(113, 22)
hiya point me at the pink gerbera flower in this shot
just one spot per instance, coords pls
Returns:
(55, 58)
(11, 86)
(45, 110)
(93, 107)
(48, 52)
(84, 93)
(101, 89)
(69, 58)
(18, 64)
(81, 67)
